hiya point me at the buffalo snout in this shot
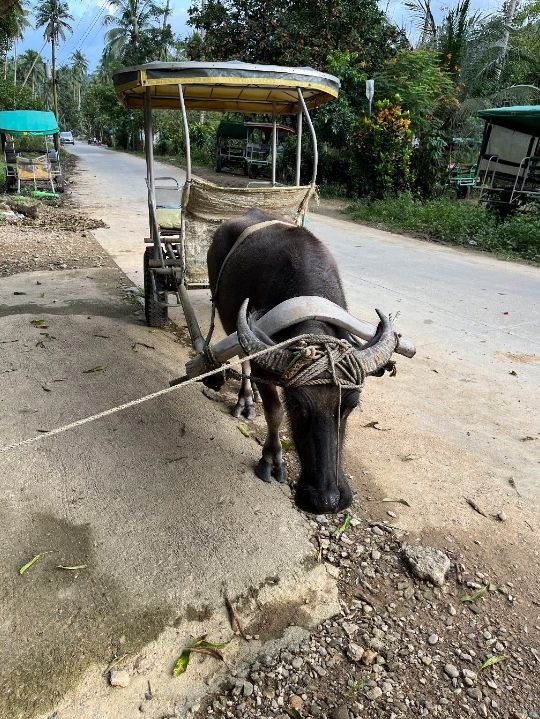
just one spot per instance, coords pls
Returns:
(323, 497)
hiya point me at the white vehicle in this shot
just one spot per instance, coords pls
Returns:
(66, 138)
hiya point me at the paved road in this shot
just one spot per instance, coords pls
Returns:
(474, 318)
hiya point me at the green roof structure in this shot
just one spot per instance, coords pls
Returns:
(28, 122)
(522, 118)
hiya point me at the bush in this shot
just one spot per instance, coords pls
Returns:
(520, 233)
(462, 223)
(441, 219)
(380, 151)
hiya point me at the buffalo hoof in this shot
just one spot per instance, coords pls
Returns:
(264, 470)
(247, 410)
(318, 501)
(280, 473)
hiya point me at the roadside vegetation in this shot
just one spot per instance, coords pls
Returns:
(391, 158)
(463, 223)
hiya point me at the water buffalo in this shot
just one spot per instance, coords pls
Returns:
(272, 265)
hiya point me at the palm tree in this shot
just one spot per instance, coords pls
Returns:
(33, 70)
(54, 15)
(13, 22)
(79, 65)
(133, 17)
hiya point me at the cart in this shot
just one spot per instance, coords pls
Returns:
(184, 220)
(509, 160)
(247, 145)
(25, 167)
(462, 160)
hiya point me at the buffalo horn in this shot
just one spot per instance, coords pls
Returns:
(377, 353)
(276, 362)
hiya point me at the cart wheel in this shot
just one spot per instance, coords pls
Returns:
(156, 315)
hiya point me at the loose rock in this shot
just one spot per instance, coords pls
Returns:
(119, 678)
(427, 563)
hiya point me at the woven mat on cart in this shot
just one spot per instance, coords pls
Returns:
(207, 205)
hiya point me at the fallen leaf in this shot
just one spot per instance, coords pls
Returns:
(473, 598)
(72, 569)
(39, 323)
(396, 500)
(409, 457)
(512, 483)
(200, 646)
(513, 373)
(26, 567)
(134, 347)
(474, 506)
(343, 526)
(244, 430)
(494, 660)
(373, 425)
(294, 713)
(234, 619)
(528, 438)
(287, 445)
(97, 368)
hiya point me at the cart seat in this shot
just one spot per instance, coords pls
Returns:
(169, 218)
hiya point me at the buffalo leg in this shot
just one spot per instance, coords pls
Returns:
(256, 394)
(271, 463)
(244, 405)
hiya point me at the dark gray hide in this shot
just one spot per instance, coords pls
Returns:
(271, 266)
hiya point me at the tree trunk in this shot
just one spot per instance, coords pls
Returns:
(508, 19)
(55, 89)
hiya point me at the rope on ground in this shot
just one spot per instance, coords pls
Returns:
(141, 400)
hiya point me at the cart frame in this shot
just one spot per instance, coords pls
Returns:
(228, 87)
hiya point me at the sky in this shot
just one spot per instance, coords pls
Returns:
(88, 30)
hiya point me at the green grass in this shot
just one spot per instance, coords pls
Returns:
(457, 222)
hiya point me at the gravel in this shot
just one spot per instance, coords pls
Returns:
(401, 647)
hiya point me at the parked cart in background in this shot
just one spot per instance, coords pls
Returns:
(247, 145)
(462, 161)
(509, 163)
(35, 166)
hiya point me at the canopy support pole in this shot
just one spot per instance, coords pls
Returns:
(149, 154)
(274, 144)
(298, 147)
(197, 340)
(313, 137)
(186, 132)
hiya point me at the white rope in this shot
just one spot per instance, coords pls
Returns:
(140, 400)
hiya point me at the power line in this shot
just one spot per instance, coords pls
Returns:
(72, 45)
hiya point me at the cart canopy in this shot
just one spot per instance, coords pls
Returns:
(28, 122)
(225, 86)
(521, 118)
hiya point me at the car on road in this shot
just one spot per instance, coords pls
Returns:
(66, 138)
